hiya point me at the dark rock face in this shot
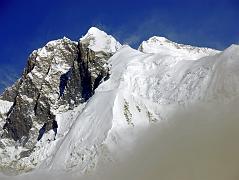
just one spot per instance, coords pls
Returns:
(64, 81)
(17, 124)
(70, 86)
(92, 69)
(63, 73)
(33, 93)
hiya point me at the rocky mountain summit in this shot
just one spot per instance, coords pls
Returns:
(57, 78)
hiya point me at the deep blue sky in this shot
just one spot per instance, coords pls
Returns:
(28, 24)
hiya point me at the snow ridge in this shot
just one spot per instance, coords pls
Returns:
(162, 45)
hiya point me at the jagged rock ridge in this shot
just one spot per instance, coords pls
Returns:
(57, 78)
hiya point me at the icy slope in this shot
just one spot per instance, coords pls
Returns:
(154, 86)
(162, 45)
(82, 144)
(142, 89)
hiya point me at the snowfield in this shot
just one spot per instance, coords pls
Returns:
(145, 87)
(142, 89)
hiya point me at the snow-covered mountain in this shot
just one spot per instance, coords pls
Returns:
(164, 46)
(101, 93)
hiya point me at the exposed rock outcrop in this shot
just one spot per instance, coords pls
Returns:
(57, 78)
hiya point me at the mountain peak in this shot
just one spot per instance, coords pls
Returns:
(162, 45)
(159, 39)
(98, 40)
(94, 30)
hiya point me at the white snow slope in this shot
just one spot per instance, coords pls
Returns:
(143, 88)
(162, 45)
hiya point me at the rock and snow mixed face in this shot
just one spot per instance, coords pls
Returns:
(58, 78)
(141, 87)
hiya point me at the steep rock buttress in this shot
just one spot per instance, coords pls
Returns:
(57, 78)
